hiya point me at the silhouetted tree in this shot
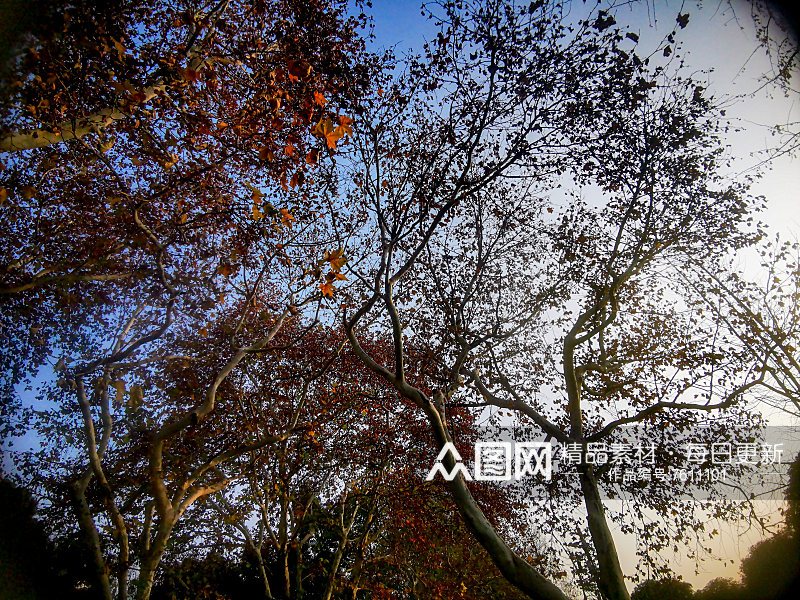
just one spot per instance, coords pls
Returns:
(721, 588)
(31, 566)
(663, 589)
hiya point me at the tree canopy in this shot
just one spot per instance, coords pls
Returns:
(254, 278)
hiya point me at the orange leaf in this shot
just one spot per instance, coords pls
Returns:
(266, 154)
(171, 162)
(347, 124)
(319, 99)
(336, 259)
(331, 134)
(326, 288)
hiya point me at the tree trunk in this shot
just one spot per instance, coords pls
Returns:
(334, 568)
(297, 572)
(263, 571)
(611, 580)
(517, 571)
(285, 574)
(91, 536)
(151, 560)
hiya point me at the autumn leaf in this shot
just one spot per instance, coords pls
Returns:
(119, 392)
(106, 145)
(326, 287)
(171, 161)
(298, 69)
(119, 46)
(336, 259)
(347, 125)
(319, 99)
(190, 75)
(326, 129)
(604, 21)
(256, 193)
(266, 154)
(137, 97)
(135, 397)
(286, 218)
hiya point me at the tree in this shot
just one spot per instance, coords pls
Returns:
(720, 589)
(523, 219)
(137, 219)
(29, 567)
(658, 589)
(553, 318)
(318, 521)
(772, 568)
(198, 121)
(776, 28)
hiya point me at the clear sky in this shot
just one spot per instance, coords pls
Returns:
(719, 37)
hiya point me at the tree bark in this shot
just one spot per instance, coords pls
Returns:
(151, 560)
(611, 581)
(263, 571)
(89, 530)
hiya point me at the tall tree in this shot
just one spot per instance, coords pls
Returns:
(150, 244)
(524, 218)
(581, 322)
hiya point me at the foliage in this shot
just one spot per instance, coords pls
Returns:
(721, 589)
(32, 567)
(771, 566)
(661, 589)
(266, 277)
